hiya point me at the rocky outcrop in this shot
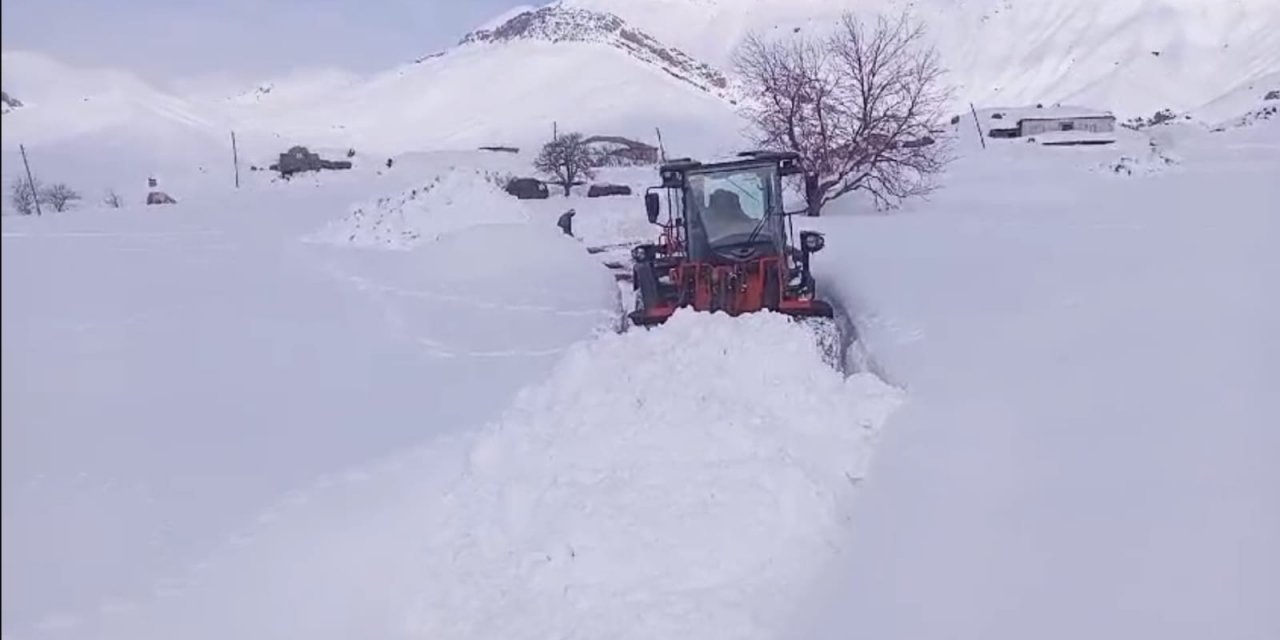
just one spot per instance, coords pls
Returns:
(557, 23)
(8, 103)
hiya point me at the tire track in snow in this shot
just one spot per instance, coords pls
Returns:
(436, 348)
(365, 284)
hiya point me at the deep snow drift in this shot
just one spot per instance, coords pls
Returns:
(656, 483)
(1089, 443)
(170, 374)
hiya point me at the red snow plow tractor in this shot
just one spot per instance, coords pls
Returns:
(726, 242)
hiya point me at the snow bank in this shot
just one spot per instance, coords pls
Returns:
(679, 482)
(455, 200)
(669, 483)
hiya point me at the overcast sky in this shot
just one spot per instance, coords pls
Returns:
(165, 40)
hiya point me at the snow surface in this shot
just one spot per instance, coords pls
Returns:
(647, 487)
(458, 200)
(1089, 440)
(172, 374)
(261, 414)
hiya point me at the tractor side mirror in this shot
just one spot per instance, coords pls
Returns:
(794, 201)
(651, 205)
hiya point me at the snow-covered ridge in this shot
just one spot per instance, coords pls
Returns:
(558, 23)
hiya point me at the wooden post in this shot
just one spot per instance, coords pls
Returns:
(235, 158)
(981, 138)
(662, 150)
(31, 183)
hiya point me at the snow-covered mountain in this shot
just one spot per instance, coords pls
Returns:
(630, 67)
(561, 23)
(565, 68)
(1131, 56)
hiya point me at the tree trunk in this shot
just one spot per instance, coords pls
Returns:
(811, 196)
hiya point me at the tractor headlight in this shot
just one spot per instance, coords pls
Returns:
(812, 241)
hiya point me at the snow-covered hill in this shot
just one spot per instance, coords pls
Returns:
(506, 93)
(61, 102)
(1130, 56)
(628, 68)
(559, 23)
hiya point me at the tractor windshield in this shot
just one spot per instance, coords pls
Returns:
(731, 205)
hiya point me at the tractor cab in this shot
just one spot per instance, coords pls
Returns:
(734, 213)
(725, 243)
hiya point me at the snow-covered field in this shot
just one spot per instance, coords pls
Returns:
(308, 434)
(391, 402)
(171, 374)
(1089, 444)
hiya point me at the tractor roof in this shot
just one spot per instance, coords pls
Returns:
(744, 159)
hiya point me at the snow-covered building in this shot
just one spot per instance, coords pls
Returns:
(1052, 125)
(1055, 119)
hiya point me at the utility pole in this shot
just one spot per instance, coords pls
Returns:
(31, 183)
(235, 158)
(661, 148)
(981, 137)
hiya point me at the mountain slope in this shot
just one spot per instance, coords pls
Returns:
(1131, 56)
(61, 102)
(626, 68)
(511, 84)
(557, 23)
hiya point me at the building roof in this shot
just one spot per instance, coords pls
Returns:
(1059, 112)
(1054, 112)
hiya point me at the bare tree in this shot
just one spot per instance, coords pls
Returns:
(59, 196)
(113, 199)
(567, 158)
(23, 194)
(860, 106)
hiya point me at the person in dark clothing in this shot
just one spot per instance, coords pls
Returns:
(566, 222)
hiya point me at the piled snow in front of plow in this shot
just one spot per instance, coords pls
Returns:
(686, 481)
(459, 198)
(673, 483)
